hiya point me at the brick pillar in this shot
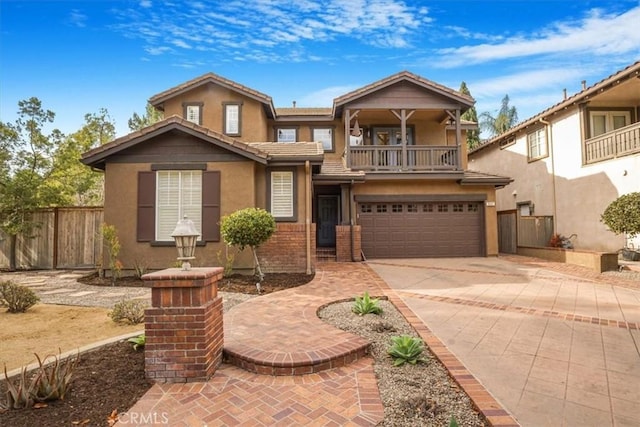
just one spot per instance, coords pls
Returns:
(343, 243)
(184, 334)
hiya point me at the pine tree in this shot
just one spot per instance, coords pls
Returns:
(473, 136)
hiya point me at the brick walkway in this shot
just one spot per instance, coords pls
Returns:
(280, 332)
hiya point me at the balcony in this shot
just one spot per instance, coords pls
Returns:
(419, 158)
(620, 142)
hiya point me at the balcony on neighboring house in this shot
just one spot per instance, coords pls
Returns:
(617, 143)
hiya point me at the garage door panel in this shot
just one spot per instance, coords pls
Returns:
(438, 229)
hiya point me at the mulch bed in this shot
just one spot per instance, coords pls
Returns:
(107, 379)
(112, 377)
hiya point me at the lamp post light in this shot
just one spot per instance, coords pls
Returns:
(185, 235)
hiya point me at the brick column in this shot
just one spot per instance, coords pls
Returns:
(184, 334)
(343, 243)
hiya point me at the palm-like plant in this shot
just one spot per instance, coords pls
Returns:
(507, 117)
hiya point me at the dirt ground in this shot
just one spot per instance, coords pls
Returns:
(44, 329)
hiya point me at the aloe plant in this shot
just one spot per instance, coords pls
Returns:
(138, 341)
(21, 395)
(52, 381)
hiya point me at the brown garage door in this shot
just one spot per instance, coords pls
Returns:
(416, 230)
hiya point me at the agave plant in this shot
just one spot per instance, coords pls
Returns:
(138, 341)
(365, 305)
(406, 349)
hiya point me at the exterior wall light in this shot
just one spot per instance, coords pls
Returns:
(185, 235)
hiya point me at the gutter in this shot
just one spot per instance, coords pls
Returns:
(351, 223)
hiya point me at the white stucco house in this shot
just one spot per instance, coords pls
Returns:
(573, 159)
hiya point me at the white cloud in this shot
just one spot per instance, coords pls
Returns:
(146, 4)
(597, 33)
(77, 18)
(524, 81)
(281, 27)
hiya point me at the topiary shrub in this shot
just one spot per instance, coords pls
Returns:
(17, 298)
(248, 227)
(622, 216)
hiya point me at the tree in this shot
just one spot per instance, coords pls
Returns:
(622, 216)
(26, 165)
(248, 227)
(507, 117)
(473, 136)
(77, 183)
(150, 116)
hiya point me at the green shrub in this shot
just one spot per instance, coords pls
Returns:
(17, 298)
(622, 216)
(248, 227)
(140, 268)
(406, 349)
(128, 311)
(138, 341)
(366, 305)
(112, 245)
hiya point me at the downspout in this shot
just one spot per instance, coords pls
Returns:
(351, 224)
(307, 213)
(553, 173)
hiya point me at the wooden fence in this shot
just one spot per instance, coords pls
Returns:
(65, 238)
(535, 231)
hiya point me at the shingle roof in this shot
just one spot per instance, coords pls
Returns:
(403, 75)
(583, 95)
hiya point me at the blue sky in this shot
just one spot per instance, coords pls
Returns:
(80, 56)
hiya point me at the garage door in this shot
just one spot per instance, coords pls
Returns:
(416, 230)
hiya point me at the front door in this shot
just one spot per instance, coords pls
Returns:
(327, 220)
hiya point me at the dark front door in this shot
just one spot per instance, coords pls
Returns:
(327, 220)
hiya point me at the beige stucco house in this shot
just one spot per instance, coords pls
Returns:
(573, 159)
(382, 173)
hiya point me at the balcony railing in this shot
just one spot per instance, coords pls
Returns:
(390, 158)
(620, 142)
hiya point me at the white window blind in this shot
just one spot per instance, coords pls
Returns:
(178, 193)
(282, 194)
(286, 135)
(232, 116)
(193, 114)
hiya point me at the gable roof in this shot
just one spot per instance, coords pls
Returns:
(631, 71)
(399, 77)
(159, 99)
(261, 152)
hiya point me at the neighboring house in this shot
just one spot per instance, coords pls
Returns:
(385, 175)
(573, 159)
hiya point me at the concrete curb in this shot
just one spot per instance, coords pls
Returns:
(80, 350)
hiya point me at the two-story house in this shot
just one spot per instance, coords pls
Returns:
(382, 173)
(570, 161)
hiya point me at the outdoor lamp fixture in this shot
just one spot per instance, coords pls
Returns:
(185, 235)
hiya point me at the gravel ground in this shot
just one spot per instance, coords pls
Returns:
(421, 394)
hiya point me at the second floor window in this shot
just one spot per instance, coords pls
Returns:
(193, 112)
(537, 144)
(286, 135)
(232, 119)
(607, 121)
(324, 135)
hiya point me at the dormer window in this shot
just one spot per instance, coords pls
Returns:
(286, 134)
(193, 112)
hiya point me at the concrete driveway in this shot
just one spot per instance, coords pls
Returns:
(555, 349)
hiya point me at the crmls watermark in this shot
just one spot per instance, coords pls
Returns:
(146, 418)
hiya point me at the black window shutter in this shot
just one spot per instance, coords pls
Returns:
(211, 206)
(146, 227)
